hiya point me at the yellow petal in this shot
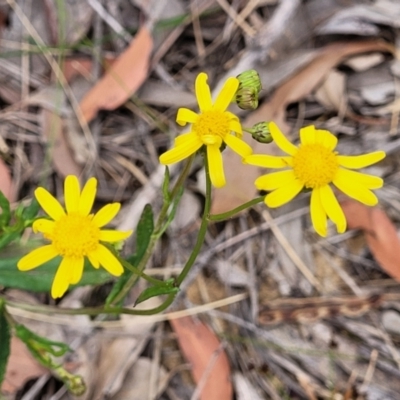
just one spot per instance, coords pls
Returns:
(62, 278)
(114, 236)
(281, 141)
(76, 272)
(185, 116)
(318, 215)
(238, 145)
(181, 139)
(326, 138)
(108, 261)
(106, 214)
(203, 93)
(87, 196)
(37, 257)
(226, 94)
(332, 208)
(364, 160)
(267, 161)
(93, 260)
(235, 126)
(49, 204)
(185, 149)
(307, 135)
(215, 166)
(369, 181)
(355, 190)
(72, 193)
(43, 225)
(275, 180)
(283, 194)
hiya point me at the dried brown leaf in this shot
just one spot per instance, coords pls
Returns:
(202, 349)
(380, 233)
(123, 78)
(20, 368)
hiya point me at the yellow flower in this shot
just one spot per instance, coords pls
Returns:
(74, 234)
(314, 165)
(211, 127)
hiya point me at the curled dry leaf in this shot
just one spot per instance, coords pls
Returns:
(210, 366)
(380, 234)
(123, 78)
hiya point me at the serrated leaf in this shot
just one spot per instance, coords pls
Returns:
(41, 278)
(5, 338)
(154, 291)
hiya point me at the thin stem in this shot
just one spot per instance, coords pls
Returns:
(154, 237)
(202, 231)
(43, 309)
(231, 213)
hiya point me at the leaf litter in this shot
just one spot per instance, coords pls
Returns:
(321, 62)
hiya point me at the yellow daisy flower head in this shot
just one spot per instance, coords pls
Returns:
(74, 234)
(315, 165)
(211, 127)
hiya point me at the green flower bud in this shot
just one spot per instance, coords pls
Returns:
(246, 98)
(250, 79)
(249, 88)
(261, 132)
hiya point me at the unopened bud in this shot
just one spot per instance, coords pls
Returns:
(261, 133)
(250, 79)
(248, 90)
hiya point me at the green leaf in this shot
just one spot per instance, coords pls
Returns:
(5, 210)
(165, 186)
(31, 211)
(144, 231)
(153, 291)
(5, 338)
(41, 278)
(8, 237)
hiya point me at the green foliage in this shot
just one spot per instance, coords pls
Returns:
(12, 224)
(40, 279)
(153, 291)
(5, 338)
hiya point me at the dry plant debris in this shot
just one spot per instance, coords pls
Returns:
(91, 88)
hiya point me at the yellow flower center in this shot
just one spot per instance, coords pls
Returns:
(75, 235)
(315, 165)
(212, 126)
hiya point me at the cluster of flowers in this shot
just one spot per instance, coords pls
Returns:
(313, 165)
(74, 233)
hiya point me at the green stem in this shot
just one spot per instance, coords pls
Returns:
(137, 271)
(231, 213)
(202, 231)
(42, 309)
(154, 237)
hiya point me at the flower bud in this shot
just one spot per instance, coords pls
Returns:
(261, 132)
(250, 79)
(249, 88)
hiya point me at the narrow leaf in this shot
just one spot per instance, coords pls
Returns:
(5, 210)
(154, 291)
(5, 337)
